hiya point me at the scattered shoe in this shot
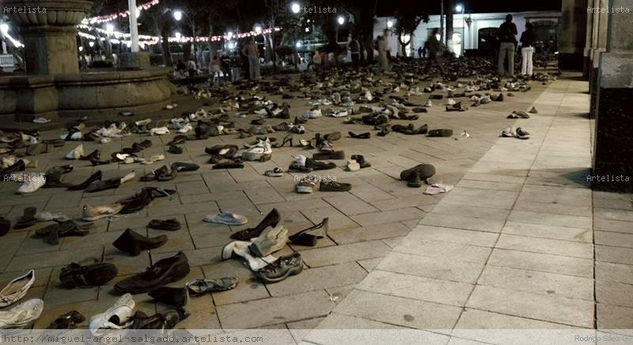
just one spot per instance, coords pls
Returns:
(76, 275)
(271, 219)
(91, 213)
(68, 320)
(281, 269)
(133, 243)
(424, 171)
(27, 219)
(276, 172)
(76, 153)
(16, 289)
(163, 272)
(21, 315)
(168, 224)
(178, 297)
(226, 218)
(116, 317)
(203, 286)
(333, 186)
(272, 239)
(522, 134)
(306, 185)
(309, 236)
(32, 184)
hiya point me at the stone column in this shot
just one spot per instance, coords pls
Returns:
(586, 66)
(613, 152)
(599, 40)
(49, 33)
(571, 34)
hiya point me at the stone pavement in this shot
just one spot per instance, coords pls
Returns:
(516, 245)
(511, 244)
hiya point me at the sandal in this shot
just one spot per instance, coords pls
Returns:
(202, 286)
(67, 321)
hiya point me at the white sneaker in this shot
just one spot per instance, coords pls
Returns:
(76, 153)
(313, 113)
(122, 311)
(92, 213)
(32, 183)
(159, 131)
(128, 177)
(259, 151)
(16, 289)
(450, 101)
(105, 140)
(299, 160)
(21, 315)
(143, 122)
(46, 216)
(352, 165)
(186, 128)
(428, 103)
(41, 120)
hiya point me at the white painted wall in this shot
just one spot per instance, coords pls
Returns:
(479, 21)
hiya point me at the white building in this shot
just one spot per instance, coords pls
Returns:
(475, 35)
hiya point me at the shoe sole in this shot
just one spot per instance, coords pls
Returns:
(304, 190)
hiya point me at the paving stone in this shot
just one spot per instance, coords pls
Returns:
(274, 310)
(419, 288)
(550, 219)
(547, 246)
(319, 278)
(349, 204)
(368, 233)
(404, 312)
(613, 214)
(614, 272)
(463, 222)
(618, 255)
(537, 282)
(369, 264)
(548, 231)
(344, 253)
(612, 225)
(614, 317)
(614, 293)
(563, 310)
(438, 268)
(337, 220)
(471, 211)
(613, 239)
(435, 233)
(542, 262)
(439, 249)
(388, 216)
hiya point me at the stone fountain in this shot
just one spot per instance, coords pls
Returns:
(53, 85)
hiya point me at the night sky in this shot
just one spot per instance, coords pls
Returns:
(386, 7)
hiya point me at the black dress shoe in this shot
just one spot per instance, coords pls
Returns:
(178, 297)
(165, 320)
(97, 186)
(27, 219)
(329, 155)
(97, 176)
(160, 274)
(167, 224)
(177, 140)
(365, 135)
(175, 149)
(133, 243)
(423, 170)
(183, 166)
(76, 275)
(271, 219)
(94, 155)
(319, 165)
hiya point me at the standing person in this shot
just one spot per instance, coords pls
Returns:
(527, 50)
(250, 51)
(215, 67)
(420, 52)
(433, 51)
(382, 52)
(191, 68)
(507, 43)
(354, 47)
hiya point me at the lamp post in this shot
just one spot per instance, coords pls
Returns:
(459, 8)
(340, 20)
(133, 25)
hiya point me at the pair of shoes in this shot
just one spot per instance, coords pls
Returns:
(133, 243)
(161, 273)
(309, 236)
(21, 315)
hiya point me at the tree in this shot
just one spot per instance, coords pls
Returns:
(408, 16)
(450, 7)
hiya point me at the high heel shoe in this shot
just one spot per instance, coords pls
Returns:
(287, 139)
(308, 237)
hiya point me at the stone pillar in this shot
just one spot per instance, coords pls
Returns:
(49, 33)
(599, 42)
(613, 152)
(571, 34)
(586, 66)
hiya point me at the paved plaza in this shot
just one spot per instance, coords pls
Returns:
(520, 242)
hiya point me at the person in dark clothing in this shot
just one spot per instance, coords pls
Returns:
(354, 47)
(433, 51)
(507, 43)
(420, 52)
(527, 49)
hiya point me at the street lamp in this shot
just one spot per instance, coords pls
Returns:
(258, 29)
(340, 20)
(178, 15)
(4, 28)
(178, 36)
(389, 24)
(295, 7)
(229, 35)
(459, 8)
(298, 44)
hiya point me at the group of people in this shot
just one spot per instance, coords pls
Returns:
(507, 45)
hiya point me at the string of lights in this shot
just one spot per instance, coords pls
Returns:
(122, 14)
